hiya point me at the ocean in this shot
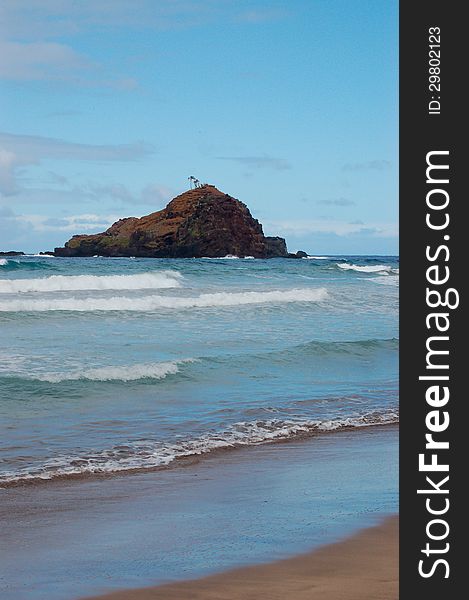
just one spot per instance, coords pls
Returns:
(123, 365)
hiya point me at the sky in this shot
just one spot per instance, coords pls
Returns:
(291, 106)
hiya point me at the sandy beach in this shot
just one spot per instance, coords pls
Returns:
(254, 506)
(364, 566)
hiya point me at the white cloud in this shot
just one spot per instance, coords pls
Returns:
(18, 151)
(40, 61)
(8, 164)
(51, 61)
(45, 19)
(83, 223)
(116, 191)
(298, 228)
(32, 232)
(13, 232)
(155, 194)
(6, 212)
(28, 26)
(36, 147)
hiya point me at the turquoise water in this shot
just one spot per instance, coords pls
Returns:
(116, 365)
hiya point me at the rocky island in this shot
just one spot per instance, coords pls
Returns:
(201, 222)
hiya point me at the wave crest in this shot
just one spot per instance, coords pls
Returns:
(66, 283)
(367, 268)
(331, 350)
(116, 373)
(154, 303)
(26, 265)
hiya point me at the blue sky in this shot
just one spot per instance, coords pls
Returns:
(107, 106)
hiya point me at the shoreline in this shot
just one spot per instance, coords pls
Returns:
(363, 566)
(185, 461)
(251, 507)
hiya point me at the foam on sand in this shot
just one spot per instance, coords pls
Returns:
(154, 303)
(149, 454)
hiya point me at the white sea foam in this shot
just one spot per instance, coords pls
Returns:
(365, 269)
(315, 257)
(153, 454)
(154, 303)
(227, 257)
(64, 283)
(3, 262)
(117, 373)
(42, 255)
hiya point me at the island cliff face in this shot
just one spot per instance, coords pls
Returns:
(200, 222)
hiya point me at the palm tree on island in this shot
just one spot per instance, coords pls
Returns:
(195, 181)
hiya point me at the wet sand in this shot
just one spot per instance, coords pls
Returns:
(73, 539)
(362, 567)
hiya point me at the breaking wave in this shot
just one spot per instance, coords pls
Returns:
(150, 454)
(65, 283)
(226, 257)
(153, 303)
(46, 256)
(116, 373)
(160, 370)
(27, 265)
(315, 257)
(367, 268)
(328, 350)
